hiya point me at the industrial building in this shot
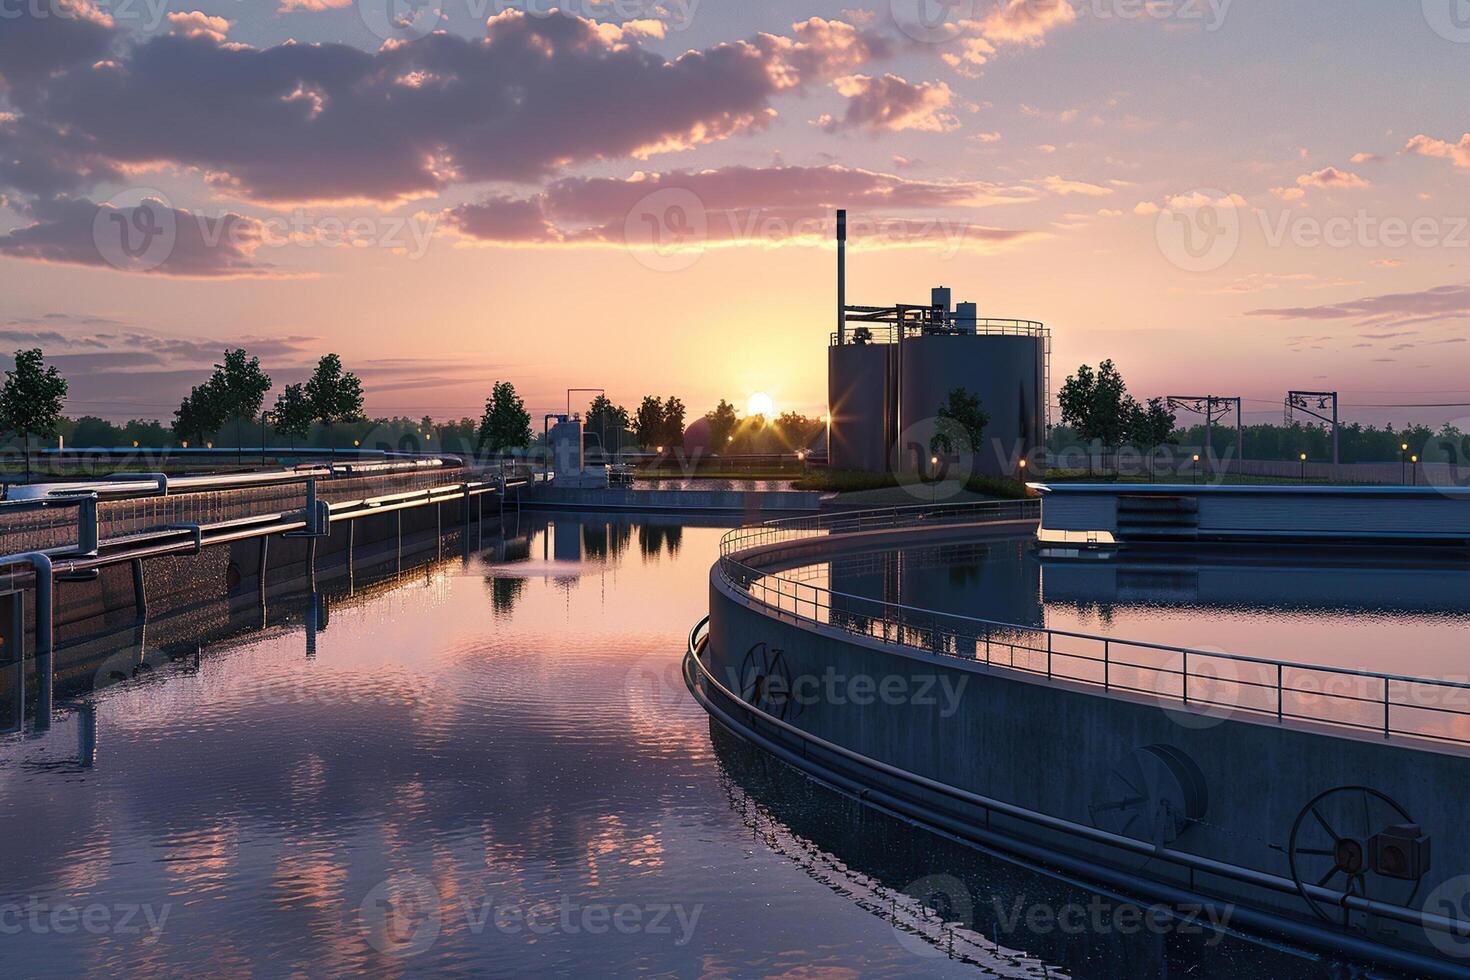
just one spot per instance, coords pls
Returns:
(890, 368)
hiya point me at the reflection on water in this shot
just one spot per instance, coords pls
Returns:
(490, 767)
(1389, 615)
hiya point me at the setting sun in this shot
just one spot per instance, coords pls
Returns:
(760, 404)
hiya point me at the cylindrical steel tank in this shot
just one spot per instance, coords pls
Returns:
(862, 397)
(1006, 372)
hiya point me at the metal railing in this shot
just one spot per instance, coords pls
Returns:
(74, 519)
(887, 333)
(1209, 682)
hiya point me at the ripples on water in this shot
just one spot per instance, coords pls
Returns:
(488, 768)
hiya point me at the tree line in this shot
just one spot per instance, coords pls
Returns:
(1096, 408)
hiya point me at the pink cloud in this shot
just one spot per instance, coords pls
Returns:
(1330, 178)
(1426, 146)
(329, 122)
(188, 245)
(1389, 310)
(893, 104)
(736, 205)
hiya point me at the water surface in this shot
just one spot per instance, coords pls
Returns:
(492, 768)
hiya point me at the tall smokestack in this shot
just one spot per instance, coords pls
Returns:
(841, 276)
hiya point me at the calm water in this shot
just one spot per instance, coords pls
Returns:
(492, 768)
(1392, 616)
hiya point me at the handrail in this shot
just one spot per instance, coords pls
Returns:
(1276, 686)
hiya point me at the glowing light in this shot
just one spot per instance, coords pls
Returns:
(760, 404)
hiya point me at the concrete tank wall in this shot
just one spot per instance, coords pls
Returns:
(862, 390)
(1004, 372)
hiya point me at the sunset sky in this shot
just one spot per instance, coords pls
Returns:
(1224, 197)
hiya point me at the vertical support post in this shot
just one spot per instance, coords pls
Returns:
(261, 560)
(311, 521)
(1239, 434)
(87, 735)
(351, 555)
(45, 624)
(1280, 693)
(1209, 433)
(140, 592)
(1107, 667)
(1385, 707)
(1184, 678)
(87, 525)
(1334, 435)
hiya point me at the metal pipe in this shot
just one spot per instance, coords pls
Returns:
(841, 276)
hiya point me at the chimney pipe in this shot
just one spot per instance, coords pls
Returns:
(841, 277)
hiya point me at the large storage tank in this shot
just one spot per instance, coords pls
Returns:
(1006, 372)
(862, 397)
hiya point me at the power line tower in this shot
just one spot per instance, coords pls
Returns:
(1212, 407)
(1315, 404)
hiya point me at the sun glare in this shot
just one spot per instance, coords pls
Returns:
(760, 404)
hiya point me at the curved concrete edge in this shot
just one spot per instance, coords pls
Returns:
(908, 807)
(1049, 746)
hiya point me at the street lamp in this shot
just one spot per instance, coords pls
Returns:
(1415, 460)
(1022, 464)
(1304, 467)
(1403, 460)
(934, 482)
(1196, 467)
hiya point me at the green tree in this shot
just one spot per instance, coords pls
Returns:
(506, 424)
(722, 421)
(335, 394)
(1151, 424)
(30, 402)
(796, 431)
(673, 425)
(609, 421)
(240, 385)
(962, 421)
(1095, 404)
(197, 415)
(648, 424)
(294, 413)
